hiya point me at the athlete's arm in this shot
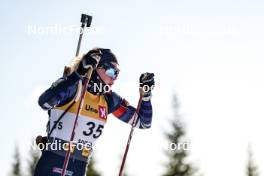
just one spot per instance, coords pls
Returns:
(121, 109)
(61, 92)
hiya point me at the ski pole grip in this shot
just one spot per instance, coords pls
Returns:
(86, 20)
(89, 72)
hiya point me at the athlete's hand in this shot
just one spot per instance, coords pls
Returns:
(89, 60)
(146, 84)
(41, 140)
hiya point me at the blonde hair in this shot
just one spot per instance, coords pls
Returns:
(72, 66)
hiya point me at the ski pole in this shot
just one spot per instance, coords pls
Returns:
(86, 22)
(135, 119)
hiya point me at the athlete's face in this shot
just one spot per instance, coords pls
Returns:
(107, 75)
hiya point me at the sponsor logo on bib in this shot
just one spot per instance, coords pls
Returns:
(102, 112)
(89, 108)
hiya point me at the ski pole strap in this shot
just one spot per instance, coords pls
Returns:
(59, 119)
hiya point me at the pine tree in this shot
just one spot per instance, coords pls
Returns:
(252, 169)
(34, 157)
(177, 155)
(91, 169)
(16, 166)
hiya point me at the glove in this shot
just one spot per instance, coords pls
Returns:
(146, 85)
(89, 60)
(41, 140)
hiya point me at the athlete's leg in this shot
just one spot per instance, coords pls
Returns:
(50, 164)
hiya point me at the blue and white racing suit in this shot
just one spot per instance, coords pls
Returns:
(90, 125)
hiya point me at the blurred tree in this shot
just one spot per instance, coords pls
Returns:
(91, 168)
(34, 155)
(177, 153)
(16, 166)
(252, 169)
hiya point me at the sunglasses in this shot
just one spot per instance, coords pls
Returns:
(111, 70)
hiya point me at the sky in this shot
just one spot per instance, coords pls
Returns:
(208, 53)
